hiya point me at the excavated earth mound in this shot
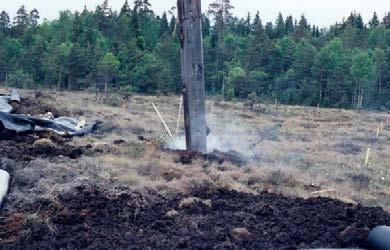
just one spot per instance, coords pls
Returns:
(89, 217)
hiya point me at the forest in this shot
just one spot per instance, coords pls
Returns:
(134, 50)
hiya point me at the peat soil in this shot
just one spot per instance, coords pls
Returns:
(39, 160)
(28, 147)
(36, 105)
(91, 217)
(106, 216)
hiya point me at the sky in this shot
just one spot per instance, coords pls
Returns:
(319, 12)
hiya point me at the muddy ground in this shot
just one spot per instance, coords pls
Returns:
(86, 211)
(90, 217)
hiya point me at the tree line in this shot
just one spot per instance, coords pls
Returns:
(346, 65)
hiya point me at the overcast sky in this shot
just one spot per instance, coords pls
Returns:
(319, 12)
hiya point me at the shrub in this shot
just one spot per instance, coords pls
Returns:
(19, 79)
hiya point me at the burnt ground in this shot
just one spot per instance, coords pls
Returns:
(89, 217)
(35, 106)
(25, 148)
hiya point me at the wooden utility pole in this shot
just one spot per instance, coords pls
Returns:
(192, 73)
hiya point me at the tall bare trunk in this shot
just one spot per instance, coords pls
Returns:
(59, 79)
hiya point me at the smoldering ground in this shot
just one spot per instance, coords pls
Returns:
(156, 199)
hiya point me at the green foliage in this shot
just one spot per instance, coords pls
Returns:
(134, 50)
(20, 79)
(363, 74)
(237, 76)
(108, 68)
(253, 99)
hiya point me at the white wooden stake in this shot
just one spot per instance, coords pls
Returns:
(178, 116)
(162, 120)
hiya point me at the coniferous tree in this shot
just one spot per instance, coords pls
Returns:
(164, 26)
(374, 21)
(221, 12)
(257, 55)
(21, 21)
(125, 10)
(257, 25)
(34, 18)
(248, 24)
(206, 25)
(386, 20)
(355, 20)
(5, 23)
(289, 29)
(346, 65)
(280, 26)
(141, 6)
(302, 30)
(269, 30)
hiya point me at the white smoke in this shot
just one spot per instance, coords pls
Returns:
(227, 133)
(213, 143)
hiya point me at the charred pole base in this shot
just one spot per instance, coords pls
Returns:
(192, 72)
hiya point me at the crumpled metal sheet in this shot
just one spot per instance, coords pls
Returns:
(21, 123)
(5, 101)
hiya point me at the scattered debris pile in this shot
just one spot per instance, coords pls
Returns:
(90, 217)
(11, 124)
(26, 140)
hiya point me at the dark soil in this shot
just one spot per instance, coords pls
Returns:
(186, 157)
(22, 148)
(90, 218)
(34, 106)
(348, 148)
(93, 217)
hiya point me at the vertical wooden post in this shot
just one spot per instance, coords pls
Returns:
(192, 72)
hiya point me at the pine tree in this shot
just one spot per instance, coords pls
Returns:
(302, 30)
(164, 26)
(280, 26)
(221, 11)
(257, 25)
(374, 21)
(248, 24)
(21, 21)
(386, 20)
(4, 22)
(206, 25)
(76, 66)
(289, 25)
(103, 15)
(359, 22)
(125, 10)
(257, 57)
(269, 30)
(77, 28)
(142, 6)
(34, 17)
(355, 20)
